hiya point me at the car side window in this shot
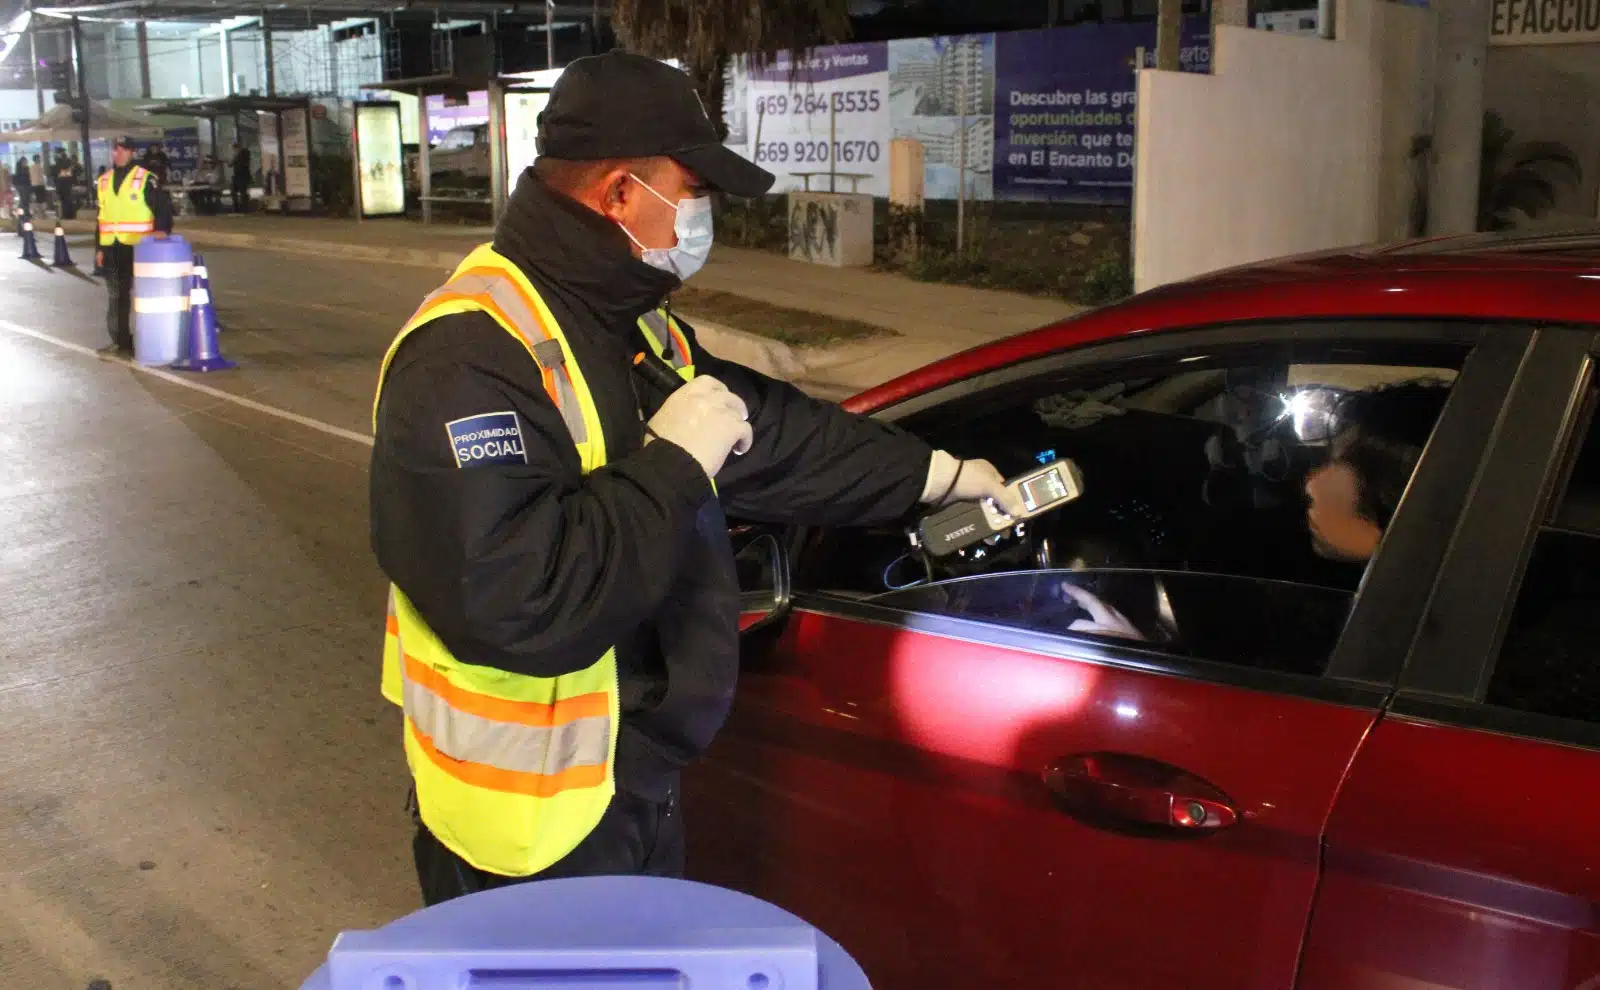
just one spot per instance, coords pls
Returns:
(1231, 502)
(1549, 661)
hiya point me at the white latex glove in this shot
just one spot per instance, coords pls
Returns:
(705, 419)
(972, 480)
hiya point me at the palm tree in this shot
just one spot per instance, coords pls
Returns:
(705, 34)
(1524, 177)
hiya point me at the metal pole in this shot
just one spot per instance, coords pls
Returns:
(355, 157)
(833, 146)
(549, 34)
(227, 62)
(961, 170)
(1169, 37)
(283, 162)
(497, 148)
(424, 156)
(1325, 20)
(594, 28)
(144, 61)
(83, 94)
(266, 53)
(33, 57)
(333, 67)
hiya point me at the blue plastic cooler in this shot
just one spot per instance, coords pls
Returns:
(597, 933)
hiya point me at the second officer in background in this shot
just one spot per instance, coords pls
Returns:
(133, 205)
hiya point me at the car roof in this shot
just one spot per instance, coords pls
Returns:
(1517, 277)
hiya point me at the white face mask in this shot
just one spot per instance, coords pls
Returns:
(693, 227)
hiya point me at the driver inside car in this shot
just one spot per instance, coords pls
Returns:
(1377, 436)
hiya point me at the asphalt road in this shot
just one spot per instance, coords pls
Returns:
(202, 785)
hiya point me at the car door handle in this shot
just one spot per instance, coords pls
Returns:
(1138, 791)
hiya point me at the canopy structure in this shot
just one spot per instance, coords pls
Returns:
(57, 125)
(225, 106)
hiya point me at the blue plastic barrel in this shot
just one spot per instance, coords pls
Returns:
(643, 933)
(161, 270)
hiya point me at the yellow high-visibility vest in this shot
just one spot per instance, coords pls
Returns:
(125, 217)
(511, 771)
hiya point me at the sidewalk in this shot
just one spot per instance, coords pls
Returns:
(931, 320)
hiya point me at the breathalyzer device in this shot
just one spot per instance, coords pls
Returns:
(959, 526)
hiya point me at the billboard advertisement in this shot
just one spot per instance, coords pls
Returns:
(296, 153)
(378, 159)
(1021, 115)
(830, 114)
(1064, 108)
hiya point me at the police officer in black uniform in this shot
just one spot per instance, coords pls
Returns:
(536, 568)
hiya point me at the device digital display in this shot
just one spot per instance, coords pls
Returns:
(1043, 490)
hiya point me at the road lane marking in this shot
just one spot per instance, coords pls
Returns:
(191, 384)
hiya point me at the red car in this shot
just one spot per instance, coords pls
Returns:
(1172, 733)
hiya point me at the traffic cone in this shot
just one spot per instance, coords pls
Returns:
(63, 256)
(30, 249)
(204, 355)
(202, 278)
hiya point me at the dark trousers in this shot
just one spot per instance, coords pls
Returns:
(241, 198)
(68, 206)
(24, 197)
(635, 836)
(119, 290)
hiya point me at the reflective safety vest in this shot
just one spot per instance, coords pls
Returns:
(511, 771)
(125, 217)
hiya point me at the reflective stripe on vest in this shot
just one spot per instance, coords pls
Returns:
(667, 340)
(511, 771)
(125, 217)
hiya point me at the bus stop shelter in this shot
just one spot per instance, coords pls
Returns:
(234, 108)
(523, 91)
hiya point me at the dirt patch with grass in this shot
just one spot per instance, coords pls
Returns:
(795, 327)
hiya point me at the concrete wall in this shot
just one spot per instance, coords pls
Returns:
(1552, 93)
(1291, 145)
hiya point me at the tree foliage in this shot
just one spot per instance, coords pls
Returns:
(1520, 177)
(705, 34)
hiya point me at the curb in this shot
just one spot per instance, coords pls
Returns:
(769, 357)
(338, 250)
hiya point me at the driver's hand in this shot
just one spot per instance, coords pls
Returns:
(950, 480)
(1103, 619)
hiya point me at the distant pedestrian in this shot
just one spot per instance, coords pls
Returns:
(5, 189)
(41, 191)
(241, 178)
(23, 186)
(66, 198)
(133, 204)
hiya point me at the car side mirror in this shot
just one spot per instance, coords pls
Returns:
(763, 568)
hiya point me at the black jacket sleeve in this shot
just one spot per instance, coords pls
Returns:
(160, 203)
(812, 462)
(529, 567)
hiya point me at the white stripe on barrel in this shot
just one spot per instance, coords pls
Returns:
(162, 269)
(161, 304)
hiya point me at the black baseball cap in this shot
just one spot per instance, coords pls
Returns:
(123, 141)
(622, 105)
